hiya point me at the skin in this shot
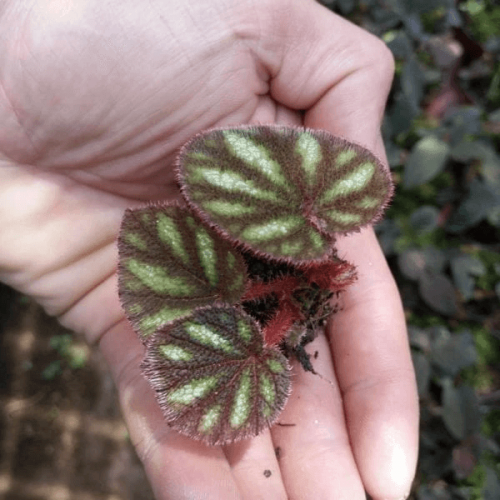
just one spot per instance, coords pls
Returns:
(96, 97)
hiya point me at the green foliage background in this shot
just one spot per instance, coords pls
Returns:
(441, 235)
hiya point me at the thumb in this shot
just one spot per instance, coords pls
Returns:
(338, 73)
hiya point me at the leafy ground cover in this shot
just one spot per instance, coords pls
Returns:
(441, 234)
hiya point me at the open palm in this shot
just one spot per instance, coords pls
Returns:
(95, 100)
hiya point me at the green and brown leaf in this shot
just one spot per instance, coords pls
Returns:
(214, 378)
(171, 264)
(283, 192)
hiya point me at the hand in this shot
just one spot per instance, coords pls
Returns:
(95, 99)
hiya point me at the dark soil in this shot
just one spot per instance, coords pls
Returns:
(61, 433)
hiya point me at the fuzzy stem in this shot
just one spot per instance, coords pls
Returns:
(282, 287)
(278, 327)
(333, 276)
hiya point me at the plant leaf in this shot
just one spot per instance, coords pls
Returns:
(422, 371)
(463, 268)
(170, 264)
(461, 413)
(452, 352)
(214, 378)
(282, 192)
(425, 219)
(426, 160)
(438, 293)
(480, 201)
(413, 81)
(412, 263)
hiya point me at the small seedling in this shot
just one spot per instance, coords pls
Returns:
(223, 291)
(71, 354)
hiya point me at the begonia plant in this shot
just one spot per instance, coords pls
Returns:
(226, 288)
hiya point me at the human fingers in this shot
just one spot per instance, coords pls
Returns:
(177, 467)
(311, 436)
(341, 76)
(374, 368)
(255, 468)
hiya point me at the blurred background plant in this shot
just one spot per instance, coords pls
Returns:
(68, 353)
(441, 234)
